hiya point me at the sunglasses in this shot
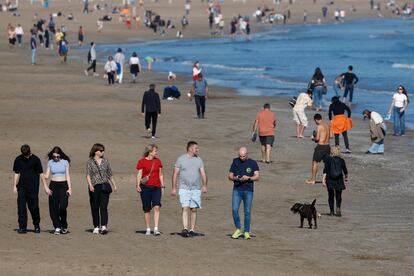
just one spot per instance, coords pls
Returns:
(100, 150)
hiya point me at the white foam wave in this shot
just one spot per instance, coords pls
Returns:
(227, 67)
(403, 66)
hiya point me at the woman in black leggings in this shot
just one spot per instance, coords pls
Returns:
(335, 176)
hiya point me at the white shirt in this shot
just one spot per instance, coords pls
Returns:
(302, 102)
(376, 117)
(133, 60)
(110, 66)
(399, 99)
(196, 71)
(19, 30)
(119, 58)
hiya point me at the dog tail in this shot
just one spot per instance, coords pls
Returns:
(313, 202)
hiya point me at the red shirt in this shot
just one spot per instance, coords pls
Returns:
(145, 165)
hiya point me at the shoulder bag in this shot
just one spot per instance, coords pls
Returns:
(145, 179)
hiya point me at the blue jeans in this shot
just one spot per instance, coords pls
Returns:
(317, 96)
(399, 121)
(337, 89)
(247, 198)
(377, 147)
(33, 56)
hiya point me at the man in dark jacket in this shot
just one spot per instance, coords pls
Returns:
(151, 108)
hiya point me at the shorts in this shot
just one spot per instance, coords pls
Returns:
(267, 140)
(12, 41)
(300, 117)
(150, 197)
(190, 198)
(321, 153)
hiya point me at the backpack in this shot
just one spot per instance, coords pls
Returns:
(335, 169)
(292, 101)
(63, 47)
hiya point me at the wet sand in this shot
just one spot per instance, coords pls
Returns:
(52, 104)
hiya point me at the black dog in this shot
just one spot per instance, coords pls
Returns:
(306, 211)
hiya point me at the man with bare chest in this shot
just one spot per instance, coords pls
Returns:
(322, 149)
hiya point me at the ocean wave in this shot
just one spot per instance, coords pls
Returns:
(227, 67)
(402, 66)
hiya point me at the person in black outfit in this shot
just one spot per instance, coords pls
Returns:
(335, 176)
(151, 108)
(27, 170)
(349, 80)
(340, 123)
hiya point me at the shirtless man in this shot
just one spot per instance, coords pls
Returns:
(322, 150)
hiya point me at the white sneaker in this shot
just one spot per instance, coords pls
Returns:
(148, 232)
(153, 137)
(104, 230)
(95, 74)
(157, 232)
(57, 231)
(95, 231)
(86, 72)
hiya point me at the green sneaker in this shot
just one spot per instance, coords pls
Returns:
(246, 235)
(238, 233)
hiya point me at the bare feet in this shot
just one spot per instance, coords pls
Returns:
(310, 181)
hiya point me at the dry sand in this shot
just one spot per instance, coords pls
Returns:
(52, 104)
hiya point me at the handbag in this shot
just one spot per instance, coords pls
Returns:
(106, 187)
(145, 179)
(292, 101)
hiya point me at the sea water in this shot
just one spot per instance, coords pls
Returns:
(281, 60)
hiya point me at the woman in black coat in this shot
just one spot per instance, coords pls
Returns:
(335, 176)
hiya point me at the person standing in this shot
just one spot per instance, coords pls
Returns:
(377, 129)
(19, 34)
(200, 93)
(27, 170)
(335, 176)
(60, 185)
(188, 170)
(101, 183)
(339, 123)
(151, 109)
(92, 60)
(81, 36)
(318, 86)
(150, 186)
(243, 172)
(196, 70)
(322, 148)
(110, 69)
(266, 123)
(135, 66)
(119, 60)
(63, 50)
(398, 106)
(33, 47)
(349, 80)
(304, 100)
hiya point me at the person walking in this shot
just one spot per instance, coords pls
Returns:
(377, 129)
(335, 176)
(135, 66)
(19, 34)
(243, 172)
(318, 86)
(92, 60)
(101, 184)
(110, 69)
(349, 80)
(119, 59)
(150, 186)
(398, 106)
(339, 123)
(151, 109)
(81, 36)
(304, 100)
(200, 93)
(188, 170)
(33, 47)
(322, 149)
(63, 50)
(60, 185)
(27, 170)
(266, 123)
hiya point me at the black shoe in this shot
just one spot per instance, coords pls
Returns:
(338, 212)
(37, 229)
(331, 214)
(22, 231)
(185, 233)
(191, 233)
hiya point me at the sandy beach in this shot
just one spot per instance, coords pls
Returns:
(52, 104)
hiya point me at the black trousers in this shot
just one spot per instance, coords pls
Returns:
(346, 141)
(92, 66)
(100, 202)
(151, 117)
(111, 77)
(58, 203)
(332, 195)
(200, 105)
(29, 197)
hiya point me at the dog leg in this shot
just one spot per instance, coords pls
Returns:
(310, 222)
(301, 221)
(315, 218)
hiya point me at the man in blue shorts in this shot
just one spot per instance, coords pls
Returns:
(187, 171)
(243, 172)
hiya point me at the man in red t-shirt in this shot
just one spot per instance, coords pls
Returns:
(150, 185)
(266, 122)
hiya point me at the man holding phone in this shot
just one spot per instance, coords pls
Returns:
(243, 172)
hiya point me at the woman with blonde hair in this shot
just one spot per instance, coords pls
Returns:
(150, 185)
(335, 176)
